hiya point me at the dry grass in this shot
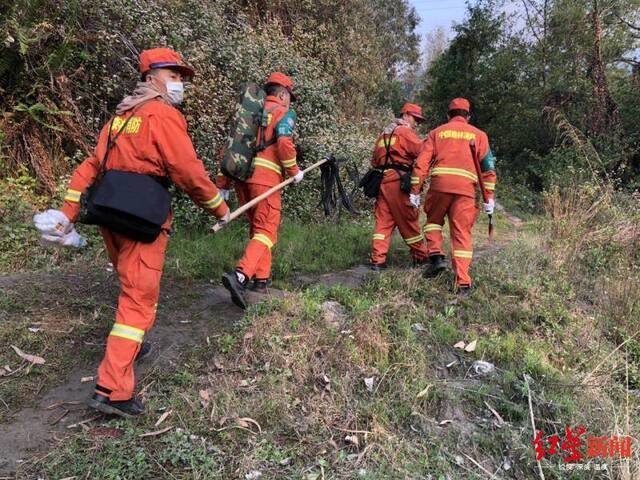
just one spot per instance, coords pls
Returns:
(593, 224)
(39, 141)
(594, 236)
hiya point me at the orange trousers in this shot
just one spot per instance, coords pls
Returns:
(139, 266)
(394, 210)
(462, 213)
(264, 220)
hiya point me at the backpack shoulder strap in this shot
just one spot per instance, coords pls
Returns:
(111, 141)
(387, 146)
(261, 143)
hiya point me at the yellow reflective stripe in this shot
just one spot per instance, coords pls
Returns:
(431, 227)
(289, 163)
(489, 185)
(72, 195)
(457, 134)
(463, 253)
(215, 202)
(378, 236)
(383, 142)
(412, 240)
(454, 171)
(268, 164)
(415, 180)
(125, 331)
(263, 239)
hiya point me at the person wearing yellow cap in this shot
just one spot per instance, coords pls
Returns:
(395, 152)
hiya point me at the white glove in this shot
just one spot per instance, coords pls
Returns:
(297, 178)
(414, 198)
(225, 218)
(224, 193)
(489, 206)
(71, 239)
(52, 222)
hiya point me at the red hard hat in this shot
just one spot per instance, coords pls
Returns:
(277, 78)
(460, 104)
(413, 110)
(163, 58)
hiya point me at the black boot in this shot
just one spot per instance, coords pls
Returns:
(464, 291)
(376, 267)
(145, 350)
(420, 262)
(125, 408)
(237, 288)
(260, 285)
(435, 267)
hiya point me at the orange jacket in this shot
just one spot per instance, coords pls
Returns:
(272, 162)
(155, 142)
(447, 156)
(404, 147)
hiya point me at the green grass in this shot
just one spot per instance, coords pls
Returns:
(302, 380)
(314, 248)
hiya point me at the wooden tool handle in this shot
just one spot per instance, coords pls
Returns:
(247, 206)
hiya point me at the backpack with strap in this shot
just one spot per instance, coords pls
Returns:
(135, 205)
(246, 137)
(372, 180)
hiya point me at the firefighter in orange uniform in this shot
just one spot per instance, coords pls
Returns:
(396, 151)
(271, 164)
(446, 155)
(154, 142)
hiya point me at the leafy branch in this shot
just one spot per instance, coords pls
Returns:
(38, 112)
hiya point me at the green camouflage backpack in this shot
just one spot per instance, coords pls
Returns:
(245, 137)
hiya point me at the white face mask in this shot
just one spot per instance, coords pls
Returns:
(175, 92)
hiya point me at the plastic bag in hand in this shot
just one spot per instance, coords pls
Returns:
(71, 239)
(52, 222)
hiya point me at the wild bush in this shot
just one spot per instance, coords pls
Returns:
(65, 65)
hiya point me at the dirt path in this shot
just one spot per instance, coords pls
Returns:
(188, 313)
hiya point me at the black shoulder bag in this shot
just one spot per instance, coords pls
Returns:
(135, 205)
(372, 180)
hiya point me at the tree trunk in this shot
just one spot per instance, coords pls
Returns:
(605, 117)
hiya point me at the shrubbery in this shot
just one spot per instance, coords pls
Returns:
(67, 64)
(525, 70)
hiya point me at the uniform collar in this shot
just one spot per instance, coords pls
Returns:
(271, 98)
(459, 119)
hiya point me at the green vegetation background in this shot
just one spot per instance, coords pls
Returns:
(558, 302)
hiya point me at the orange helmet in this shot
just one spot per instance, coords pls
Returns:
(277, 78)
(163, 58)
(460, 104)
(413, 110)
